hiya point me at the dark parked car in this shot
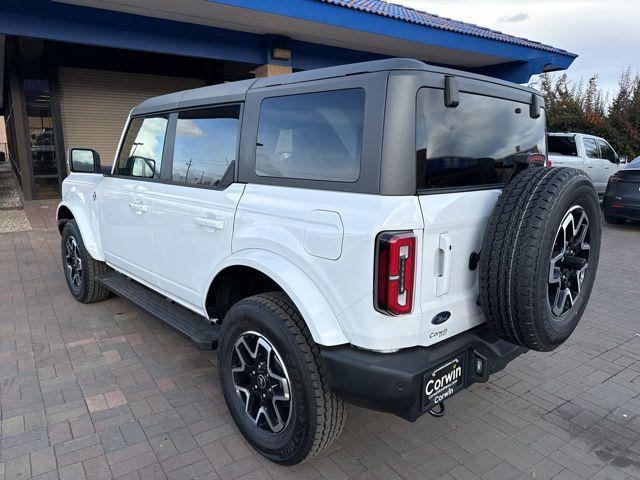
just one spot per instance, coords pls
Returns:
(622, 197)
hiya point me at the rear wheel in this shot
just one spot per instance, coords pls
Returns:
(539, 257)
(273, 381)
(80, 269)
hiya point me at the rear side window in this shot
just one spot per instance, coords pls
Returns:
(141, 152)
(312, 136)
(565, 146)
(206, 145)
(474, 144)
(591, 148)
(607, 152)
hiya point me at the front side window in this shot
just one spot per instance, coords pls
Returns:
(475, 144)
(206, 144)
(141, 152)
(607, 152)
(591, 148)
(313, 136)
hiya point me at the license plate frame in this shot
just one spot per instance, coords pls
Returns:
(444, 380)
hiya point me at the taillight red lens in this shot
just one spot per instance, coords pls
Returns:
(536, 159)
(395, 254)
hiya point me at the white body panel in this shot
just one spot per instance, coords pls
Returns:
(78, 196)
(454, 227)
(285, 221)
(126, 226)
(192, 230)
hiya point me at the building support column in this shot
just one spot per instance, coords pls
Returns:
(270, 70)
(278, 57)
(18, 117)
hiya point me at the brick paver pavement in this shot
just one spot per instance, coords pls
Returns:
(100, 391)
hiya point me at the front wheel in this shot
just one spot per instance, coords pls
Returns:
(273, 381)
(80, 270)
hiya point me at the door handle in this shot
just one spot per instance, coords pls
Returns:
(589, 165)
(209, 223)
(445, 254)
(139, 207)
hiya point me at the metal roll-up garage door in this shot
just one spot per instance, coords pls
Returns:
(95, 104)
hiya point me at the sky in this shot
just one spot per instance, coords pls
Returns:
(604, 33)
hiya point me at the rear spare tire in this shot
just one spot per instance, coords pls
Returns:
(540, 256)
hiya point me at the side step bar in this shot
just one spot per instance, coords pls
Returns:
(196, 328)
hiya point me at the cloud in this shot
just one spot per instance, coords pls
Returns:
(518, 17)
(188, 128)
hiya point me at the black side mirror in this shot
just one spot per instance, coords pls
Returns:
(84, 160)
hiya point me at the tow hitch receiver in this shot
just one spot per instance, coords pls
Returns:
(438, 413)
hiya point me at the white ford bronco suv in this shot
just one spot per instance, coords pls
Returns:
(382, 233)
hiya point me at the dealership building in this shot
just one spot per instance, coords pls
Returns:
(72, 69)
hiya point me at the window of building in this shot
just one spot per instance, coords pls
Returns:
(591, 148)
(42, 141)
(206, 145)
(141, 152)
(313, 136)
(474, 144)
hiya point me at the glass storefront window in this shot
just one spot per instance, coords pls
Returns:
(42, 142)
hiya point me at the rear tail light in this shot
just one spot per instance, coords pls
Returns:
(537, 159)
(395, 267)
(548, 164)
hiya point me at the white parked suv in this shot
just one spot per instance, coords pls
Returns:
(591, 154)
(381, 233)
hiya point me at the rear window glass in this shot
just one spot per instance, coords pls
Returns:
(565, 146)
(205, 145)
(314, 136)
(474, 144)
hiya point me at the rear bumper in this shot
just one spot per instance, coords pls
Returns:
(393, 382)
(628, 212)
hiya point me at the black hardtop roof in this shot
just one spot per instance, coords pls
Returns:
(236, 91)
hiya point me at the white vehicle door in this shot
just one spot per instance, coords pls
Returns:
(594, 164)
(461, 167)
(609, 161)
(194, 210)
(126, 199)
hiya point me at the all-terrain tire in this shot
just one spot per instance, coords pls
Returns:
(317, 414)
(88, 290)
(520, 301)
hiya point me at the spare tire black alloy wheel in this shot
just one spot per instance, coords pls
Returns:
(540, 256)
(569, 261)
(262, 382)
